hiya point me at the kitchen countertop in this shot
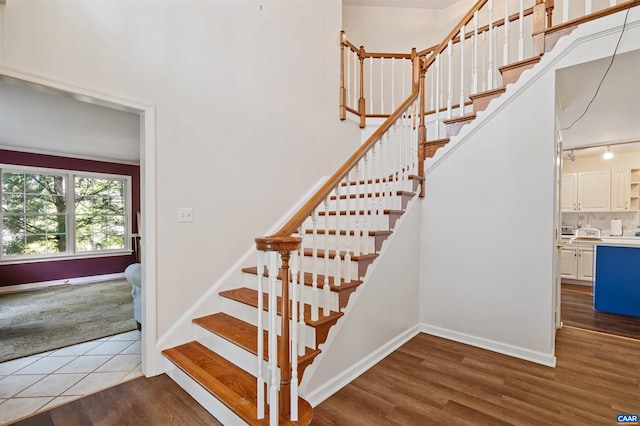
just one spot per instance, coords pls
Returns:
(607, 241)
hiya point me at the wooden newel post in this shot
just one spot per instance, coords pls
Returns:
(284, 354)
(362, 105)
(343, 90)
(284, 246)
(422, 132)
(415, 61)
(539, 22)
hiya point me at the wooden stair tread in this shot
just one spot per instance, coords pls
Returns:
(525, 62)
(492, 92)
(361, 212)
(436, 142)
(460, 119)
(308, 280)
(231, 385)
(378, 180)
(375, 194)
(332, 254)
(244, 334)
(250, 297)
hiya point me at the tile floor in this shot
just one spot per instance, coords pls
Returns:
(39, 382)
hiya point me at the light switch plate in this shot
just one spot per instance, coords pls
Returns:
(185, 214)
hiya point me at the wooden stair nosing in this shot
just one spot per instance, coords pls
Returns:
(400, 193)
(232, 386)
(249, 297)
(244, 335)
(525, 62)
(378, 180)
(492, 92)
(380, 233)
(360, 212)
(308, 280)
(436, 142)
(460, 119)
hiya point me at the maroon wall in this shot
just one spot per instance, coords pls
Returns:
(23, 273)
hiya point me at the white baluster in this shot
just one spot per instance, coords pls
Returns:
(371, 85)
(381, 85)
(491, 47)
(300, 328)
(347, 255)
(404, 77)
(365, 222)
(393, 84)
(565, 10)
(348, 72)
(273, 339)
(294, 335)
(521, 31)
(371, 198)
(450, 79)
(462, 40)
(437, 97)
(484, 61)
(433, 90)
(355, 80)
(260, 378)
(337, 260)
(314, 267)
(587, 7)
(505, 53)
(495, 58)
(474, 83)
(325, 288)
(356, 241)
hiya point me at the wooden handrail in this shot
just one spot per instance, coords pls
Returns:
(291, 227)
(591, 17)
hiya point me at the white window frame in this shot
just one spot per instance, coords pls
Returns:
(71, 252)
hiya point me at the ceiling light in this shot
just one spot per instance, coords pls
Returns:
(608, 155)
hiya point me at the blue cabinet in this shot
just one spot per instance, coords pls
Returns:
(617, 280)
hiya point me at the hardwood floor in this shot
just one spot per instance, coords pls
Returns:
(577, 311)
(433, 381)
(427, 381)
(144, 401)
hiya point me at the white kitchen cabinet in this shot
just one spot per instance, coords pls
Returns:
(576, 263)
(586, 191)
(620, 191)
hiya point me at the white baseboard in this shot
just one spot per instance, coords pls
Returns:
(515, 351)
(73, 281)
(323, 392)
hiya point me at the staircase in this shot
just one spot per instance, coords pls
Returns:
(248, 359)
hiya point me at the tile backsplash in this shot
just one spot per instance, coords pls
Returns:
(602, 220)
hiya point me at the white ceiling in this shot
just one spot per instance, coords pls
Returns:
(416, 4)
(614, 115)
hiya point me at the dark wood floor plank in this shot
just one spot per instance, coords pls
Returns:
(144, 401)
(597, 377)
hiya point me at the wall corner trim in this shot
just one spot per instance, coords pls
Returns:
(515, 351)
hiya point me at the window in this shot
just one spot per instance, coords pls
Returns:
(49, 213)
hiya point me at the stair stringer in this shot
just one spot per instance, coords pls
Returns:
(382, 314)
(183, 330)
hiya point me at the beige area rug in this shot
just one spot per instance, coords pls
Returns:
(42, 320)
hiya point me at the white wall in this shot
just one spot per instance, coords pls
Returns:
(488, 219)
(240, 90)
(381, 315)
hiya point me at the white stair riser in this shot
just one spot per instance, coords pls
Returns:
(248, 314)
(343, 241)
(369, 222)
(307, 264)
(230, 351)
(204, 398)
(251, 281)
